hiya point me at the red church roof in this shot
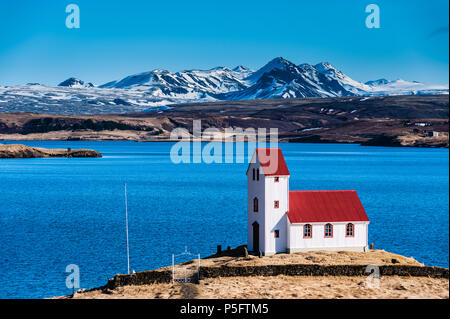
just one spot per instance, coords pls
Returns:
(272, 161)
(325, 206)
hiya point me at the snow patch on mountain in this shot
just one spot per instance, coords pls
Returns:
(377, 82)
(348, 83)
(402, 87)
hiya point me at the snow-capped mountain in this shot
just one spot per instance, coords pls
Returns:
(279, 78)
(76, 83)
(190, 84)
(380, 86)
(282, 79)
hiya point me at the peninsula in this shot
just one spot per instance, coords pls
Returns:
(23, 151)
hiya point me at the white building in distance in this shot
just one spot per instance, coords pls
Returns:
(280, 220)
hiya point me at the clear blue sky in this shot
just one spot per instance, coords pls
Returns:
(119, 38)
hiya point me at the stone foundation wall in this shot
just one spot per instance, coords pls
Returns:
(319, 270)
(154, 276)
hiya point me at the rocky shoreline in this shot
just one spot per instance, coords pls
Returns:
(23, 151)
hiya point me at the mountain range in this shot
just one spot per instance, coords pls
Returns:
(279, 78)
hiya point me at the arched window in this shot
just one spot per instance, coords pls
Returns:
(307, 231)
(255, 204)
(328, 230)
(350, 230)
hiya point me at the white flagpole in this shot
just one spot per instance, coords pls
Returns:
(126, 221)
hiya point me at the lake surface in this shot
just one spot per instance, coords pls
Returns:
(60, 211)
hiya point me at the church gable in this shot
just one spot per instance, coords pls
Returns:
(271, 161)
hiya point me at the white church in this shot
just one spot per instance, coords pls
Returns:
(280, 220)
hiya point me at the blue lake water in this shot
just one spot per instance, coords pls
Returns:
(61, 211)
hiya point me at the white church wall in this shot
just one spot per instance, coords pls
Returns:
(276, 218)
(255, 188)
(339, 241)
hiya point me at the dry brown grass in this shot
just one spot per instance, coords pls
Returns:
(372, 257)
(285, 287)
(296, 287)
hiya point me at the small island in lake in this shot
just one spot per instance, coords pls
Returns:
(23, 151)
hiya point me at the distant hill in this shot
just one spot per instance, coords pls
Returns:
(387, 121)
